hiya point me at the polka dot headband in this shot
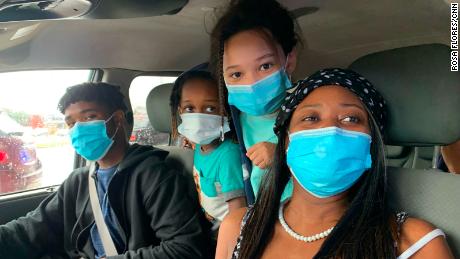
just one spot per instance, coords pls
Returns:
(351, 80)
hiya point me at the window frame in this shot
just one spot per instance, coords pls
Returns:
(175, 74)
(95, 75)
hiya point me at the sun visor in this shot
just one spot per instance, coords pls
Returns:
(33, 10)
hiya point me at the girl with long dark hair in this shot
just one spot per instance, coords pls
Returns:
(253, 55)
(330, 140)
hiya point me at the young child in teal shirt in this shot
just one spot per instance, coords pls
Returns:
(217, 165)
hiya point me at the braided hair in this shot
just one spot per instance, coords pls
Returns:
(176, 96)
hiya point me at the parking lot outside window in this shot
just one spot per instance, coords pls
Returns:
(35, 150)
(143, 132)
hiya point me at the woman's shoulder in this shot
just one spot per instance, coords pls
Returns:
(229, 232)
(414, 231)
(233, 222)
(233, 219)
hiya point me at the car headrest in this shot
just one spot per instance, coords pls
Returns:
(158, 107)
(423, 95)
(426, 153)
(396, 151)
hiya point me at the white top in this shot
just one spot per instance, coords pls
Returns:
(421, 243)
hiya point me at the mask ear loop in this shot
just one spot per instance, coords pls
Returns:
(114, 134)
(222, 134)
(111, 116)
(118, 126)
(285, 68)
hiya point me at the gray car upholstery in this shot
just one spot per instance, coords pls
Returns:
(410, 157)
(424, 157)
(423, 95)
(428, 195)
(158, 110)
(424, 103)
(159, 113)
(399, 156)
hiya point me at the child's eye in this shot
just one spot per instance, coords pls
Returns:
(266, 66)
(235, 75)
(188, 109)
(210, 109)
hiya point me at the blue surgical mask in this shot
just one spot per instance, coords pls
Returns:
(90, 139)
(263, 97)
(201, 128)
(328, 161)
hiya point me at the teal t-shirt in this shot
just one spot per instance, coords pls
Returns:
(259, 129)
(220, 171)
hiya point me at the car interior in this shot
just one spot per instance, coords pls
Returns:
(400, 46)
(424, 120)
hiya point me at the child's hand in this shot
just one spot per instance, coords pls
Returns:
(261, 154)
(188, 144)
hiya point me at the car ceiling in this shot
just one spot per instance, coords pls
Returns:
(335, 35)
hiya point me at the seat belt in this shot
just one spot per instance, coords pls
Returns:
(246, 164)
(106, 238)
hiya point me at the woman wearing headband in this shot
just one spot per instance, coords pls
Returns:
(330, 140)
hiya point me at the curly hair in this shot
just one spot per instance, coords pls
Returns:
(107, 95)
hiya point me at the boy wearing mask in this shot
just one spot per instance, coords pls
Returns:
(144, 204)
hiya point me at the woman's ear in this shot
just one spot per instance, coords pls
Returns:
(291, 61)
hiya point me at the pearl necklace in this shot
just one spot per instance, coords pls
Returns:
(297, 236)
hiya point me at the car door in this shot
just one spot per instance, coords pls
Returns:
(36, 155)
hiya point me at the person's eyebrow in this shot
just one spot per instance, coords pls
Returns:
(207, 101)
(88, 110)
(306, 106)
(268, 55)
(344, 105)
(352, 105)
(257, 59)
(68, 117)
(231, 67)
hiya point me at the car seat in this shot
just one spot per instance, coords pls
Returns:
(412, 157)
(159, 114)
(423, 98)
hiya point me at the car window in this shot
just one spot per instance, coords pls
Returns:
(35, 150)
(143, 132)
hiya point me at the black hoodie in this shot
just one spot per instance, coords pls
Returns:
(158, 217)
